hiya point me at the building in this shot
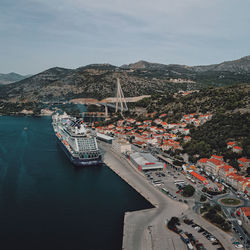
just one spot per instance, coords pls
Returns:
(232, 179)
(244, 215)
(224, 171)
(243, 183)
(202, 162)
(244, 162)
(212, 166)
(237, 149)
(199, 177)
(121, 146)
(104, 138)
(231, 144)
(146, 161)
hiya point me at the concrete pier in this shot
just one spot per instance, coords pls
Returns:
(145, 229)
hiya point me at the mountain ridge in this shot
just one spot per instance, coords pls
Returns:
(11, 77)
(140, 78)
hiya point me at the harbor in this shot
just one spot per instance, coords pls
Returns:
(146, 229)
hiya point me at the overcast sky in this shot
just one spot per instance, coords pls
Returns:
(38, 34)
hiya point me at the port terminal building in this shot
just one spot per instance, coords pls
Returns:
(146, 161)
(105, 138)
(121, 146)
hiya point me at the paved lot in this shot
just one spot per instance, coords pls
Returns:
(199, 236)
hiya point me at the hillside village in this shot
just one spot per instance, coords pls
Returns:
(170, 138)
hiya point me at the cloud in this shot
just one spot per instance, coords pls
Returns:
(185, 31)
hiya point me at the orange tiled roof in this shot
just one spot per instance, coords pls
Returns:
(215, 162)
(245, 210)
(199, 177)
(243, 159)
(231, 143)
(203, 160)
(217, 157)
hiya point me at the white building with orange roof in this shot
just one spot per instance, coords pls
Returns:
(120, 122)
(244, 215)
(218, 157)
(187, 138)
(242, 183)
(230, 144)
(237, 149)
(232, 179)
(212, 166)
(202, 162)
(164, 124)
(163, 115)
(244, 162)
(224, 171)
(158, 121)
(131, 120)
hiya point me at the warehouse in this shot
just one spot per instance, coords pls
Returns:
(146, 161)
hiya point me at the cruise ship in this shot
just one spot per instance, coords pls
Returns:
(78, 142)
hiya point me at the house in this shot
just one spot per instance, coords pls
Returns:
(244, 162)
(232, 179)
(237, 149)
(224, 171)
(212, 166)
(202, 162)
(244, 215)
(163, 115)
(187, 138)
(217, 157)
(199, 177)
(231, 144)
(242, 183)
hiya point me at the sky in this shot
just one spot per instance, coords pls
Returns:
(38, 34)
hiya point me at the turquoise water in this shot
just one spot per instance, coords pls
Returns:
(46, 203)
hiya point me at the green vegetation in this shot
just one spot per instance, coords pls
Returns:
(172, 223)
(215, 215)
(230, 201)
(213, 135)
(188, 191)
(203, 198)
(10, 108)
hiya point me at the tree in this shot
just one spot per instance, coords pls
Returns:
(248, 171)
(188, 191)
(217, 207)
(203, 198)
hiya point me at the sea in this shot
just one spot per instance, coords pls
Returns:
(47, 203)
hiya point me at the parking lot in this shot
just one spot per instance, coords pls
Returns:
(205, 238)
(169, 180)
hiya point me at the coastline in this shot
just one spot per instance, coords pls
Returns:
(145, 229)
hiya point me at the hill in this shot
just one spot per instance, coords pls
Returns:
(141, 78)
(11, 77)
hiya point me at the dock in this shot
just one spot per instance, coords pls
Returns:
(145, 229)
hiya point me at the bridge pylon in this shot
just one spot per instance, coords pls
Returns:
(120, 100)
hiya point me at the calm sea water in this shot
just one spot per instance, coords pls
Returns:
(46, 203)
